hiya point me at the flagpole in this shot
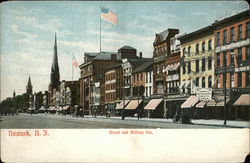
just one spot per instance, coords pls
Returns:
(100, 29)
(72, 67)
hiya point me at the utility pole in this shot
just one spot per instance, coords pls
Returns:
(225, 94)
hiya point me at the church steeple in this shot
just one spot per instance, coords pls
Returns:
(55, 75)
(29, 87)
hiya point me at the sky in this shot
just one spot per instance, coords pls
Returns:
(28, 32)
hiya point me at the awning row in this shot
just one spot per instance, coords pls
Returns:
(172, 67)
(244, 100)
(133, 104)
(58, 109)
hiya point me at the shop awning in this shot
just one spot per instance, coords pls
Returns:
(65, 108)
(176, 66)
(201, 104)
(190, 102)
(120, 106)
(153, 104)
(133, 104)
(168, 68)
(222, 102)
(211, 103)
(244, 100)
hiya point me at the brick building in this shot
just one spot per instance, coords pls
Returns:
(92, 81)
(113, 86)
(232, 51)
(161, 51)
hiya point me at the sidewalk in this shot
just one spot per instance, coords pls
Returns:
(210, 122)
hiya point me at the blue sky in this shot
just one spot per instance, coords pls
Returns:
(28, 29)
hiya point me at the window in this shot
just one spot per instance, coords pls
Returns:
(239, 79)
(232, 79)
(240, 32)
(147, 77)
(209, 79)
(209, 63)
(150, 77)
(248, 78)
(189, 50)
(232, 34)
(203, 82)
(225, 58)
(203, 64)
(203, 46)
(209, 45)
(218, 39)
(189, 67)
(224, 37)
(247, 53)
(197, 82)
(218, 82)
(184, 51)
(150, 90)
(197, 49)
(239, 55)
(248, 30)
(184, 68)
(146, 91)
(197, 65)
(141, 76)
(218, 59)
(232, 57)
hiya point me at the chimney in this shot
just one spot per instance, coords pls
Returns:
(140, 54)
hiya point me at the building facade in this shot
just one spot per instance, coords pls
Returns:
(93, 80)
(197, 54)
(161, 50)
(232, 54)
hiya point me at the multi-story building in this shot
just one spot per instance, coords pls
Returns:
(93, 71)
(197, 67)
(232, 52)
(129, 66)
(161, 51)
(140, 76)
(69, 93)
(113, 86)
(93, 79)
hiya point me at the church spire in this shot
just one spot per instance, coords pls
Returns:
(29, 87)
(55, 75)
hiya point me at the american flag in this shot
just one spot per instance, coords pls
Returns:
(74, 63)
(109, 16)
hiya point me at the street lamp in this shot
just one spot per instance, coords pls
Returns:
(231, 69)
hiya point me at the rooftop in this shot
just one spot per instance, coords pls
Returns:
(144, 66)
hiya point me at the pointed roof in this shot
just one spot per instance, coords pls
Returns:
(29, 82)
(55, 66)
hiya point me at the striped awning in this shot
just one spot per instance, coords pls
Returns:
(133, 104)
(201, 104)
(244, 100)
(190, 102)
(153, 104)
(122, 104)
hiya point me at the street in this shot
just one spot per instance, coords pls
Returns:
(67, 122)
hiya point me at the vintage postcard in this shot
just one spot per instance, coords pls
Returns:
(125, 81)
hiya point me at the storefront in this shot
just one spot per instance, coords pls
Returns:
(242, 107)
(154, 108)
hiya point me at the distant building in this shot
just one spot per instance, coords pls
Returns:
(29, 91)
(69, 93)
(54, 77)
